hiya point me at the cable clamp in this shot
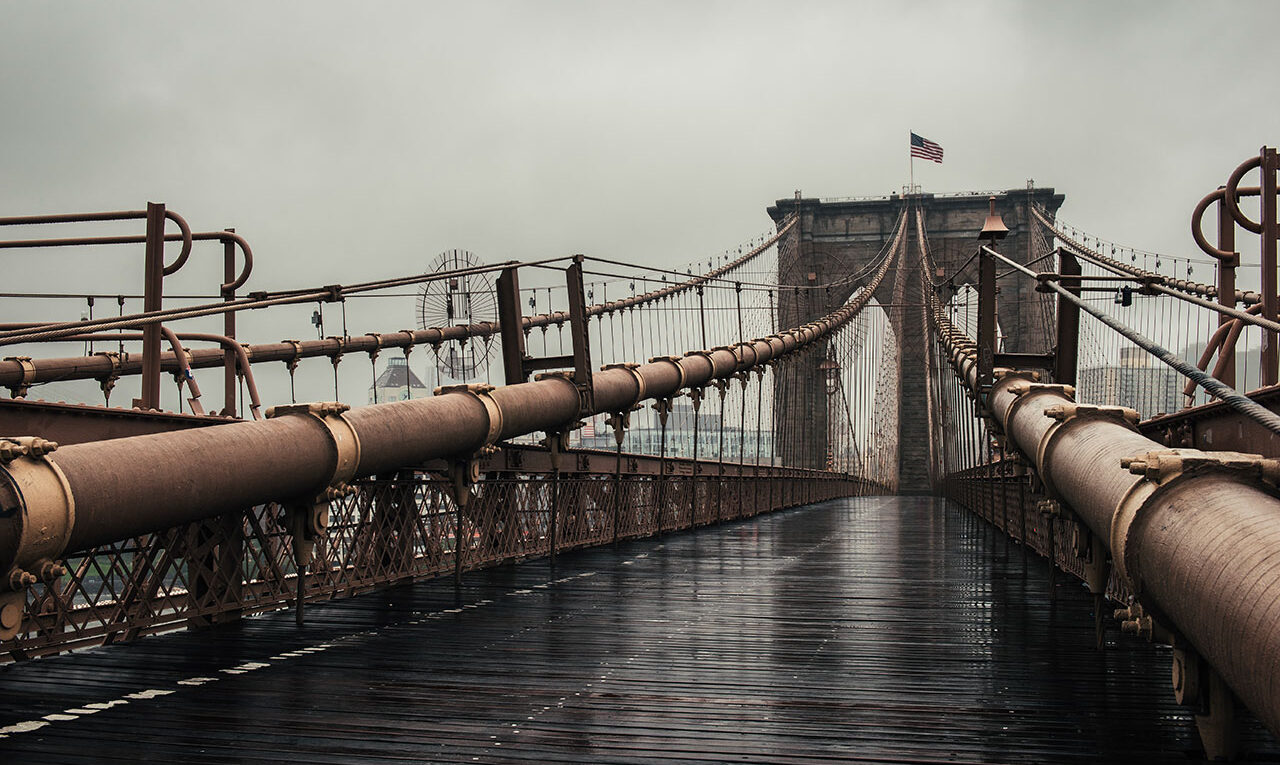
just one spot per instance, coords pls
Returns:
(308, 518)
(28, 376)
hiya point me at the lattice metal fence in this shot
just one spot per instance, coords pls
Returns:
(392, 530)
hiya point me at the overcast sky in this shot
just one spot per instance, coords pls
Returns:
(353, 140)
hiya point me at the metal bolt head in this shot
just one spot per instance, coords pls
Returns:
(11, 615)
(19, 580)
(51, 571)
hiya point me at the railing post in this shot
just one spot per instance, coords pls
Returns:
(1226, 279)
(511, 326)
(986, 320)
(578, 333)
(230, 378)
(152, 289)
(1066, 357)
(1269, 167)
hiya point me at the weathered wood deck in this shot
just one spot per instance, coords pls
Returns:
(866, 630)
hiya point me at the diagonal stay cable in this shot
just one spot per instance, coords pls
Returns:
(1215, 387)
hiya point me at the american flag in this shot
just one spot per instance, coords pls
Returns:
(925, 149)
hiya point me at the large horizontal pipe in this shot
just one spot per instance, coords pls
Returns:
(1200, 548)
(93, 493)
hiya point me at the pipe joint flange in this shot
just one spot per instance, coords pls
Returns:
(410, 341)
(1023, 387)
(307, 518)
(345, 440)
(1068, 415)
(641, 387)
(28, 376)
(1070, 411)
(619, 422)
(481, 393)
(377, 345)
(292, 363)
(722, 370)
(114, 358)
(335, 357)
(1163, 468)
(675, 362)
(1164, 465)
(36, 498)
(708, 357)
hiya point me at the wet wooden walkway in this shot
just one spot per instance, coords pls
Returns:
(866, 630)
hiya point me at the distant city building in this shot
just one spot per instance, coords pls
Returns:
(1138, 382)
(396, 383)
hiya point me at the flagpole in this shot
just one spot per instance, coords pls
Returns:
(912, 188)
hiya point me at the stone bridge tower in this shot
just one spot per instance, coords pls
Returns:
(836, 238)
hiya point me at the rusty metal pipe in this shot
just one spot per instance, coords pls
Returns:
(482, 329)
(168, 362)
(136, 485)
(1198, 550)
(34, 220)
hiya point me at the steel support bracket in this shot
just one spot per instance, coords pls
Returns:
(695, 398)
(308, 517)
(663, 407)
(28, 376)
(1134, 620)
(619, 421)
(292, 364)
(108, 381)
(377, 346)
(36, 498)
(336, 357)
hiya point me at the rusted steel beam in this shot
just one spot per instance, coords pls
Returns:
(1216, 426)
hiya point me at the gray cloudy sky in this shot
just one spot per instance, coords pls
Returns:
(351, 140)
